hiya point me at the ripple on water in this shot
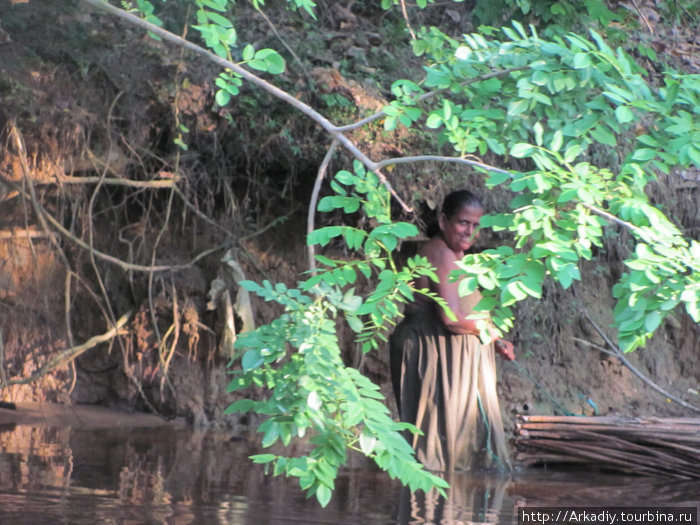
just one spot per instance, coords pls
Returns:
(131, 476)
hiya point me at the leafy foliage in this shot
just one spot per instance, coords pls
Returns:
(555, 14)
(587, 131)
(557, 103)
(297, 357)
(215, 26)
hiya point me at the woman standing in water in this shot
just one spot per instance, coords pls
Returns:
(444, 379)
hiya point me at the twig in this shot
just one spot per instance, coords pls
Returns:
(200, 213)
(110, 317)
(335, 131)
(3, 375)
(284, 42)
(226, 64)
(327, 125)
(225, 230)
(168, 212)
(151, 274)
(69, 330)
(408, 22)
(175, 330)
(66, 306)
(108, 258)
(314, 199)
(26, 179)
(438, 158)
(644, 18)
(147, 184)
(22, 233)
(666, 446)
(71, 353)
(617, 220)
(381, 113)
(269, 225)
(616, 352)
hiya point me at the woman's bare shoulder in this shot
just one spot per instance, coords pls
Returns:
(437, 251)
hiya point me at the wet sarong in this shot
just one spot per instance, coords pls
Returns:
(445, 384)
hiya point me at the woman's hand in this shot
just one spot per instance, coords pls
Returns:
(504, 349)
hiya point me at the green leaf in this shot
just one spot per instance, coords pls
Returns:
(693, 152)
(572, 151)
(251, 360)
(313, 401)
(242, 405)
(434, 121)
(263, 458)
(219, 20)
(517, 107)
(333, 202)
(603, 135)
(323, 236)
(557, 141)
(274, 63)
(515, 288)
(222, 97)
(356, 325)
(272, 433)
(644, 154)
(248, 53)
(367, 443)
(537, 128)
(496, 178)
(652, 321)
(623, 114)
(582, 60)
(323, 495)
(522, 150)
(259, 65)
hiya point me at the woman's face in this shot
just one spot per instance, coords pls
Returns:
(461, 230)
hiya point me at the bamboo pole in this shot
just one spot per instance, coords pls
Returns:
(668, 447)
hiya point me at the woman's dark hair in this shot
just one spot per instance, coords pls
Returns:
(452, 203)
(459, 199)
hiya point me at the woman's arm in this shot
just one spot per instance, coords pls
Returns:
(444, 261)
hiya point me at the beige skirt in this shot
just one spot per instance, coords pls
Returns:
(445, 384)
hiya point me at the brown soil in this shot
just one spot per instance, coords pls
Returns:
(92, 98)
(79, 417)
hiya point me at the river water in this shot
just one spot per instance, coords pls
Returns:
(177, 476)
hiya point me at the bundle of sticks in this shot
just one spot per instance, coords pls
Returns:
(643, 445)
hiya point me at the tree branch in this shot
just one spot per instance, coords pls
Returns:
(43, 214)
(334, 131)
(23, 233)
(314, 200)
(71, 353)
(616, 220)
(616, 352)
(283, 42)
(430, 94)
(438, 158)
(147, 184)
(408, 22)
(3, 375)
(226, 64)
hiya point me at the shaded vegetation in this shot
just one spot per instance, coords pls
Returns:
(161, 168)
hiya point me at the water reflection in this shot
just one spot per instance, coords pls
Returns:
(177, 476)
(471, 499)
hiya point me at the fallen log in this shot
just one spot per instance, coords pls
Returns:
(645, 446)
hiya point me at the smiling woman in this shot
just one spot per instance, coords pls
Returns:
(444, 378)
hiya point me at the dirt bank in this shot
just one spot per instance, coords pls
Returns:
(116, 138)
